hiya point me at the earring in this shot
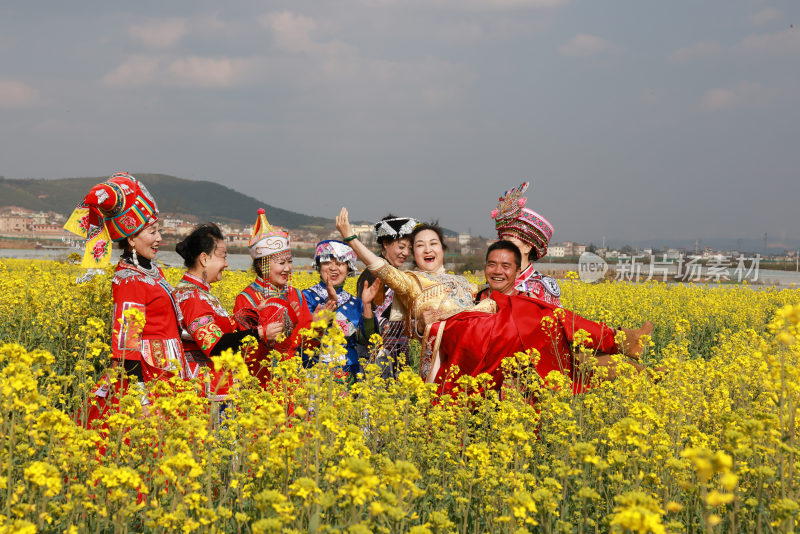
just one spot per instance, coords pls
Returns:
(205, 281)
(135, 258)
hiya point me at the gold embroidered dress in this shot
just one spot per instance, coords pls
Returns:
(428, 300)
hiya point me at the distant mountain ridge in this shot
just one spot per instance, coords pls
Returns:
(201, 199)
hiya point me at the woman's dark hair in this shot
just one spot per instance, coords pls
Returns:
(257, 267)
(506, 245)
(533, 255)
(202, 239)
(433, 225)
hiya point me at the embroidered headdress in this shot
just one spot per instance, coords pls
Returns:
(394, 228)
(513, 219)
(335, 250)
(113, 210)
(267, 240)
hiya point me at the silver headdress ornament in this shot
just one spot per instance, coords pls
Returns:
(395, 228)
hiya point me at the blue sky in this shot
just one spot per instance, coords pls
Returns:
(631, 119)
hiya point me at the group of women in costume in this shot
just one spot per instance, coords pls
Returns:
(160, 332)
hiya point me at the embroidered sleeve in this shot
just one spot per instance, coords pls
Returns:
(200, 321)
(405, 286)
(205, 332)
(311, 299)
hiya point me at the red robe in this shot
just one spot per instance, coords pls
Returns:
(156, 347)
(289, 307)
(478, 342)
(207, 328)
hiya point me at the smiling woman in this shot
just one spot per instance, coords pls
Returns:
(336, 262)
(207, 328)
(145, 338)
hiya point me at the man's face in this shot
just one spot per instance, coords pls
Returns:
(501, 271)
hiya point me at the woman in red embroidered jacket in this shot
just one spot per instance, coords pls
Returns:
(145, 338)
(207, 328)
(280, 308)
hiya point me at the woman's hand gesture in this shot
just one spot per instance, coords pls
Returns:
(343, 223)
(369, 292)
(346, 229)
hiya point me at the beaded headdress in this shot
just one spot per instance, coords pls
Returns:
(267, 242)
(112, 211)
(395, 228)
(335, 250)
(513, 219)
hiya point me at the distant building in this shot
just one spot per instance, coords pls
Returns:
(48, 230)
(14, 224)
(465, 244)
(565, 249)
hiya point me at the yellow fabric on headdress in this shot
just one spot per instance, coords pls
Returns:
(73, 224)
(97, 253)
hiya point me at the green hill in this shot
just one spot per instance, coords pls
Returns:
(202, 199)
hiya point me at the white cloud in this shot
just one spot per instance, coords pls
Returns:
(698, 51)
(765, 16)
(291, 31)
(159, 33)
(583, 45)
(780, 42)
(297, 33)
(15, 94)
(136, 70)
(743, 95)
(209, 72)
(305, 55)
(190, 71)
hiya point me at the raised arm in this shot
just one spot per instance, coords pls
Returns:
(370, 259)
(404, 285)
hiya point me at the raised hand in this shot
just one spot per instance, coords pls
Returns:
(346, 229)
(343, 223)
(369, 292)
(332, 296)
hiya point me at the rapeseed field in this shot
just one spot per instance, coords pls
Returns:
(709, 444)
